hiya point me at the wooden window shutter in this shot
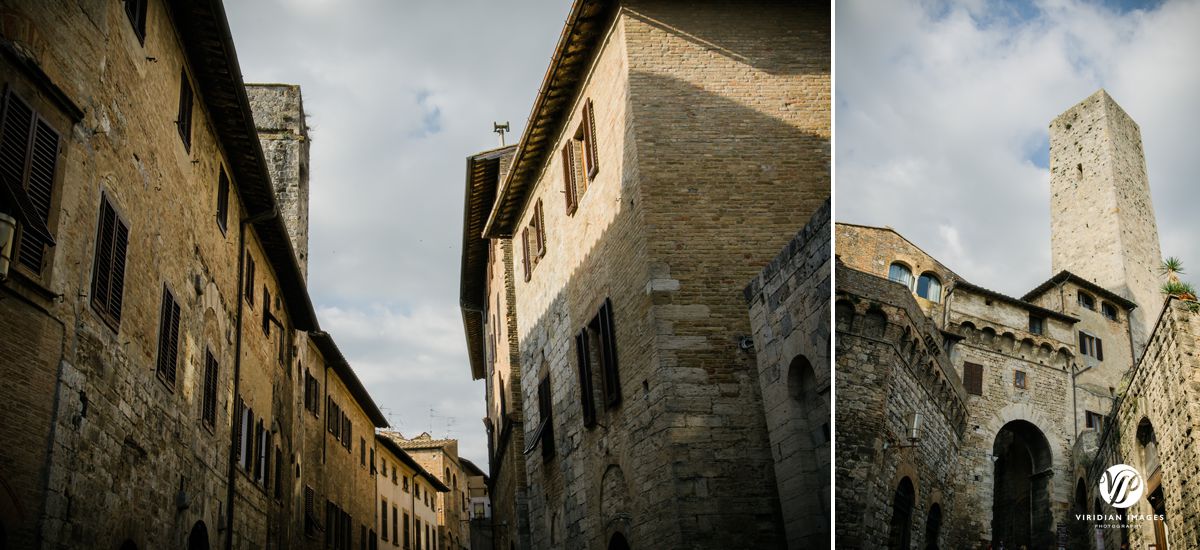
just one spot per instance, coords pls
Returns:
(569, 188)
(608, 355)
(1083, 347)
(249, 291)
(587, 398)
(526, 260)
(238, 411)
(136, 11)
(184, 118)
(108, 271)
(1099, 349)
(540, 218)
(310, 497)
(209, 413)
(546, 416)
(29, 149)
(223, 201)
(256, 456)
(168, 338)
(266, 313)
(247, 438)
(973, 378)
(589, 140)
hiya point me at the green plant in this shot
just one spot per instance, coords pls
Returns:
(1178, 289)
(1172, 267)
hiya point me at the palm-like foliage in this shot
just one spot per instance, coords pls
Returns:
(1172, 267)
(1181, 290)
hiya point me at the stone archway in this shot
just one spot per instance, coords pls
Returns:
(933, 527)
(198, 538)
(1021, 487)
(900, 529)
(618, 542)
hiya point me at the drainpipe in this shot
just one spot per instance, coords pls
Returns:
(237, 364)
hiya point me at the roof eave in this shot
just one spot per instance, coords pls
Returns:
(335, 360)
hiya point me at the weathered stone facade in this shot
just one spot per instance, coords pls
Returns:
(1040, 374)
(283, 133)
(790, 317)
(439, 457)
(155, 376)
(891, 363)
(697, 140)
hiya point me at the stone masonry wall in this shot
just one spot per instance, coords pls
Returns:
(1162, 392)
(1102, 218)
(790, 316)
(283, 133)
(890, 365)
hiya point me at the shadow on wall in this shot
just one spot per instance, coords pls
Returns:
(804, 50)
(707, 206)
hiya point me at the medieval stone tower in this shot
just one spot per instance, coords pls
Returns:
(1102, 221)
(283, 133)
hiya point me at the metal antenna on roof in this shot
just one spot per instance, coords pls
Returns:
(500, 129)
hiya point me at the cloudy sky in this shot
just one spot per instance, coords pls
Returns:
(398, 93)
(942, 112)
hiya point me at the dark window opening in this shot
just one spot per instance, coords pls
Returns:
(1037, 324)
(136, 11)
(209, 412)
(168, 338)
(108, 272)
(29, 150)
(223, 202)
(1019, 379)
(1109, 311)
(1086, 301)
(184, 119)
(1091, 346)
(1094, 420)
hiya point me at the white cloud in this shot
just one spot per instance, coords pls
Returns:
(399, 93)
(942, 115)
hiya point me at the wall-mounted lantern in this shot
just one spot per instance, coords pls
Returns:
(913, 424)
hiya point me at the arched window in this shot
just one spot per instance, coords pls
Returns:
(929, 287)
(1148, 442)
(901, 274)
(933, 527)
(1086, 300)
(899, 532)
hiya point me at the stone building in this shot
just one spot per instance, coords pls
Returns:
(154, 364)
(336, 432)
(479, 505)
(487, 299)
(440, 458)
(407, 490)
(790, 316)
(1046, 383)
(671, 153)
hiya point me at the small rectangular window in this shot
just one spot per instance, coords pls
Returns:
(209, 411)
(973, 378)
(538, 224)
(1091, 346)
(108, 271)
(383, 517)
(223, 201)
(184, 119)
(136, 11)
(545, 433)
(526, 261)
(310, 517)
(249, 290)
(407, 532)
(1036, 324)
(395, 526)
(1019, 379)
(266, 313)
(362, 452)
(1094, 420)
(168, 338)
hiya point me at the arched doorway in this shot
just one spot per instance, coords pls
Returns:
(198, 539)
(618, 542)
(933, 527)
(1021, 491)
(900, 532)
